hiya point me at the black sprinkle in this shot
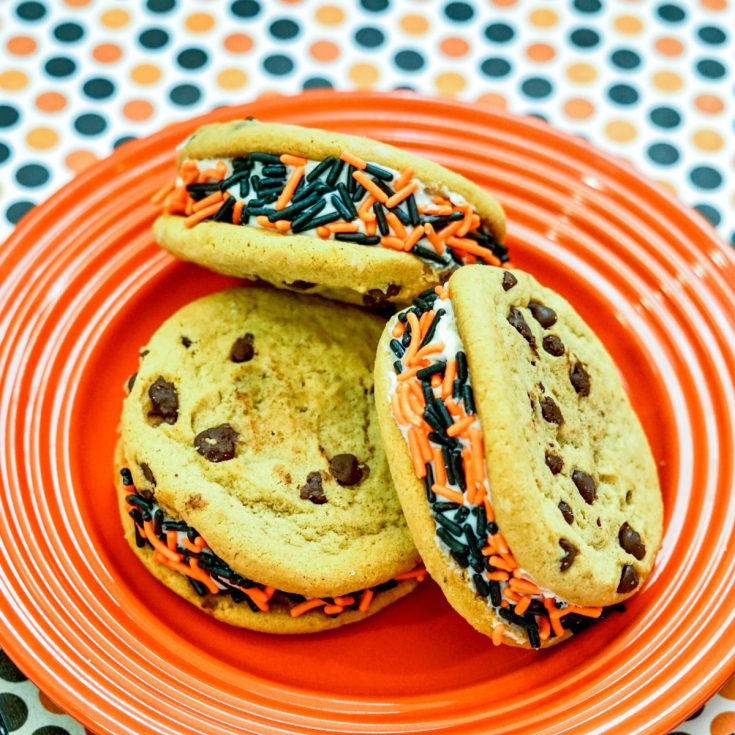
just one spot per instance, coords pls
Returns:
(445, 505)
(443, 414)
(461, 366)
(318, 188)
(454, 528)
(468, 398)
(304, 220)
(442, 440)
(264, 157)
(127, 478)
(458, 468)
(472, 542)
(481, 521)
(457, 389)
(224, 213)
(439, 221)
(379, 172)
(347, 201)
(413, 211)
(452, 543)
(402, 216)
(157, 521)
(353, 186)
(381, 220)
(429, 482)
(357, 237)
(295, 208)
(462, 514)
(383, 186)
(492, 528)
(140, 541)
(319, 169)
(398, 349)
(448, 465)
(437, 367)
(427, 254)
(338, 204)
(428, 391)
(462, 558)
(481, 585)
(433, 420)
(197, 586)
(334, 174)
(432, 328)
(398, 367)
(325, 219)
(495, 596)
(275, 169)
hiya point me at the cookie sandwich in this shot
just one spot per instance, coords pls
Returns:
(251, 475)
(525, 476)
(310, 210)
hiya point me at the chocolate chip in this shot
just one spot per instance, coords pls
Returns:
(346, 469)
(550, 411)
(186, 342)
(544, 315)
(599, 523)
(376, 297)
(165, 401)
(580, 379)
(553, 345)
(243, 350)
(630, 541)
(143, 353)
(554, 463)
(147, 473)
(301, 285)
(313, 489)
(131, 381)
(515, 317)
(509, 280)
(217, 444)
(628, 579)
(567, 512)
(570, 551)
(586, 486)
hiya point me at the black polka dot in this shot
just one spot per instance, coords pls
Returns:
(15, 710)
(460, 12)
(4, 155)
(732, 238)
(495, 67)
(588, 6)
(375, 6)
(32, 174)
(98, 88)
(8, 116)
(696, 714)
(712, 35)
(245, 8)
(711, 69)
(369, 37)
(404, 88)
(60, 66)
(16, 210)
(624, 58)
(671, 13)
(705, 177)
(90, 124)
(317, 83)
(499, 32)
(192, 58)
(623, 94)
(409, 60)
(68, 32)
(50, 730)
(663, 153)
(665, 117)
(124, 139)
(185, 94)
(30, 11)
(538, 116)
(284, 28)
(584, 37)
(278, 64)
(161, 6)
(536, 87)
(8, 670)
(153, 38)
(709, 213)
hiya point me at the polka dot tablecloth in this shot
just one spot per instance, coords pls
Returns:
(649, 81)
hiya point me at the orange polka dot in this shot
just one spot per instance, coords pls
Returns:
(710, 104)
(42, 138)
(668, 185)
(77, 161)
(450, 83)
(324, 51)
(628, 24)
(414, 24)
(707, 139)
(77, 3)
(715, 4)
(540, 52)
(363, 75)
(491, 99)
(581, 73)
(107, 53)
(723, 724)
(621, 131)
(504, 3)
(330, 15)
(454, 46)
(238, 43)
(232, 78)
(115, 18)
(578, 108)
(138, 110)
(269, 94)
(667, 81)
(728, 691)
(49, 705)
(145, 74)
(13, 80)
(21, 45)
(543, 18)
(50, 102)
(200, 22)
(669, 46)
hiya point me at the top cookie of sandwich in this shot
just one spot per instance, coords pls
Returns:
(347, 217)
(251, 418)
(573, 482)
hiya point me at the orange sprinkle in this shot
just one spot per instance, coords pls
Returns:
(370, 186)
(510, 561)
(448, 493)
(436, 380)
(211, 173)
(443, 201)
(489, 512)
(556, 626)
(464, 224)
(511, 595)
(478, 464)
(198, 573)
(397, 412)
(290, 160)
(197, 217)
(458, 427)
(365, 599)
(424, 320)
(371, 226)
(283, 225)
(415, 452)
(415, 387)
(216, 196)
(416, 234)
(524, 586)
(346, 600)
(162, 193)
(522, 606)
(443, 211)
(589, 612)
(450, 373)
(439, 469)
(293, 181)
(501, 544)
(497, 636)
(544, 628)
(424, 447)
(498, 576)
(416, 405)
(500, 563)
(417, 573)
(237, 212)
(413, 346)
(397, 226)
(364, 211)
(470, 246)
(189, 545)
(263, 221)
(452, 407)
(469, 475)
(433, 238)
(343, 227)
(398, 328)
(429, 350)
(442, 292)
(200, 542)
(449, 230)
(353, 160)
(333, 609)
(400, 195)
(171, 539)
(407, 409)
(404, 178)
(305, 606)
(323, 232)
(394, 243)
(407, 374)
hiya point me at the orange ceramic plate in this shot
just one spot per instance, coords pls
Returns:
(83, 287)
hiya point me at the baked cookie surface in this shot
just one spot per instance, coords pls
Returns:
(251, 419)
